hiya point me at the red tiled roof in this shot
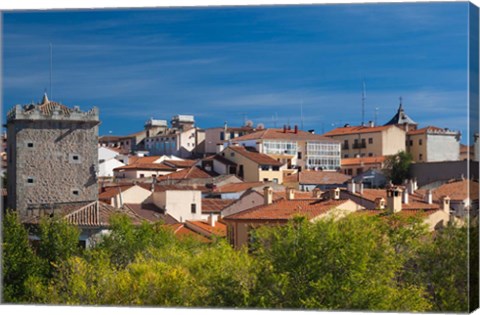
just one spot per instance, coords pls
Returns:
(181, 231)
(356, 130)
(146, 167)
(112, 191)
(286, 209)
(415, 201)
(162, 187)
(219, 230)
(192, 172)
(278, 134)
(238, 187)
(457, 190)
(210, 205)
(180, 163)
(253, 155)
(317, 178)
(424, 130)
(150, 212)
(47, 108)
(363, 160)
(143, 159)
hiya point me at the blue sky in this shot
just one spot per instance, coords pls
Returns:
(224, 64)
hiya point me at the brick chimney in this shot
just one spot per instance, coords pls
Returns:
(290, 193)
(394, 199)
(296, 129)
(284, 128)
(267, 195)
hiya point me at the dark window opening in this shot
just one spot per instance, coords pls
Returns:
(299, 155)
(370, 140)
(75, 157)
(76, 192)
(30, 144)
(30, 180)
(194, 207)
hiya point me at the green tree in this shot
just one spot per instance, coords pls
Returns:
(19, 261)
(58, 241)
(396, 167)
(344, 264)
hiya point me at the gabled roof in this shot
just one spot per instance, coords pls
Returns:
(351, 130)
(202, 227)
(457, 190)
(161, 187)
(237, 187)
(279, 134)
(223, 160)
(255, 156)
(85, 214)
(400, 118)
(112, 191)
(180, 163)
(283, 210)
(143, 159)
(363, 160)
(150, 212)
(192, 172)
(317, 178)
(213, 205)
(47, 107)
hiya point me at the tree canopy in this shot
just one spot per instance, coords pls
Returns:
(397, 166)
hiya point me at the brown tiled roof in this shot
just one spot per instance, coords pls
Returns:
(457, 190)
(162, 187)
(317, 178)
(355, 130)
(48, 107)
(150, 212)
(146, 167)
(143, 159)
(424, 130)
(237, 187)
(286, 209)
(181, 231)
(108, 138)
(415, 201)
(210, 205)
(363, 160)
(112, 191)
(192, 172)
(255, 156)
(219, 230)
(84, 214)
(278, 134)
(180, 163)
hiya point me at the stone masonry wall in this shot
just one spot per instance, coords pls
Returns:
(56, 162)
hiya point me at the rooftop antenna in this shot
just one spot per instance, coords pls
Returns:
(364, 97)
(51, 62)
(376, 114)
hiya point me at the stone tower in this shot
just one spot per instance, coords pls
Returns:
(52, 155)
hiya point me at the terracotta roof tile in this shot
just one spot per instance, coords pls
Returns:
(210, 205)
(363, 160)
(112, 191)
(253, 155)
(219, 230)
(415, 201)
(286, 209)
(278, 134)
(237, 187)
(425, 130)
(150, 212)
(356, 130)
(457, 190)
(143, 159)
(192, 172)
(180, 163)
(145, 167)
(162, 187)
(318, 177)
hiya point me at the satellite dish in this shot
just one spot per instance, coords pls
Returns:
(249, 123)
(260, 126)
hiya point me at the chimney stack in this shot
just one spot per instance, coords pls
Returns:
(284, 128)
(335, 194)
(446, 204)
(405, 196)
(359, 188)
(267, 195)
(428, 197)
(290, 193)
(371, 124)
(380, 203)
(211, 220)
(351, 186)
(394, 199)
(296, 129)
(317, 193)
